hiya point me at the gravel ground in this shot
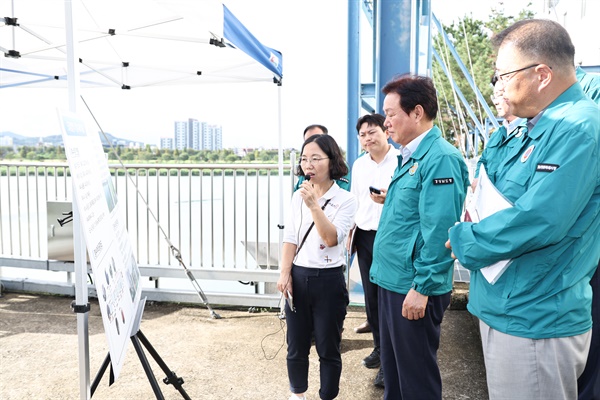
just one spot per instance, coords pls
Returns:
(241, 356)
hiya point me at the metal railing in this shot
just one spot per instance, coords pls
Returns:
(223, 218)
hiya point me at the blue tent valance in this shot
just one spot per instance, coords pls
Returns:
(235, 32)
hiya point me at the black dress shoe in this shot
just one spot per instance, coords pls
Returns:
(372, 360)
(379, 379)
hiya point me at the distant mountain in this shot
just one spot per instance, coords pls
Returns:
(55, 140)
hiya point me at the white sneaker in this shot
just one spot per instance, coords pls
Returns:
(294, 397)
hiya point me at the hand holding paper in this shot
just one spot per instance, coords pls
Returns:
(486, 201)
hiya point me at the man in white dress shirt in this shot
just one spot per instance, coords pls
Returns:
(373, 169)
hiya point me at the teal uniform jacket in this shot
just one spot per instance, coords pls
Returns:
(552, 233)
(498, 146)
(424, 199)
(590, 83)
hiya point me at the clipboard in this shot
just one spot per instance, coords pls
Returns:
(487, 200)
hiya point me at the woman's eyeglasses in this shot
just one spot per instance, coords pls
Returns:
(312, 160)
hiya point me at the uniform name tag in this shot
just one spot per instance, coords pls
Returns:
(443, 181)
(546, 167)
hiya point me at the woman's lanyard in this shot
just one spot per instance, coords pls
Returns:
(309, 228)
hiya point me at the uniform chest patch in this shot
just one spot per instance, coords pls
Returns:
(413, 169)
(546, 167)
(527, 153)
(443, 181)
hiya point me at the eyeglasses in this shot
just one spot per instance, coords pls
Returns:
(312, 160)
(494, 80)
(505, 76)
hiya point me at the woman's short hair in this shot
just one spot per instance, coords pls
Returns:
(337, 164)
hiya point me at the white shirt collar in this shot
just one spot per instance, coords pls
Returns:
(410, 148)
(388, 153)
(511, 126)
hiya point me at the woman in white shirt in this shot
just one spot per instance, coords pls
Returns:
(321, 215)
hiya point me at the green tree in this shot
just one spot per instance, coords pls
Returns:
(112, 155)
(129, 156)
(250, 156)
(471, 39)
(192, 152)
(23, 151)
(265, 156)
(472, 43)
(498, 21)
(60, 153)
(6, 152)
(147, 156)
(203, 154)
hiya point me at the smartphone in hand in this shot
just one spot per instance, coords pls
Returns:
(290, 301)
(374, 190)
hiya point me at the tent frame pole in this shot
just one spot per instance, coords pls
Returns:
(81, 305)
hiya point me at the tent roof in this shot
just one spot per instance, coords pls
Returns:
(131, 43)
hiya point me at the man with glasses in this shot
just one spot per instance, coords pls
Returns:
(506, 137)
(535, 320)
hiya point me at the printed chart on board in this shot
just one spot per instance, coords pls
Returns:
(115, 270)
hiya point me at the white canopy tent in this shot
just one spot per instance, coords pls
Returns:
(127, 44)
(131, 44)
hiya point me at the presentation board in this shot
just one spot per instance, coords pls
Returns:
(115, 270)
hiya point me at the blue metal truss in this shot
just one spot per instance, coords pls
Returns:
(401, 31)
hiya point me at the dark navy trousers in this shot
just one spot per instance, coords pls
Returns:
(320, 299)
(409, 348)
(588, 385)
(363, 241)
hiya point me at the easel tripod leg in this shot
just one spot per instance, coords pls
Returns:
(100, 374)
(147, 369)
(171, 378)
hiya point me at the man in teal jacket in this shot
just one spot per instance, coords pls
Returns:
(535, 319)
(588, 384)
(410, 264)
(504, 139)
(590, 83)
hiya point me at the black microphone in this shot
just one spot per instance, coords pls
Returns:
(307, 177)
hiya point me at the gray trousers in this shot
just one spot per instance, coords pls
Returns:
(533, 369)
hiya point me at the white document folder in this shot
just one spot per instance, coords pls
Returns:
(486, 201)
